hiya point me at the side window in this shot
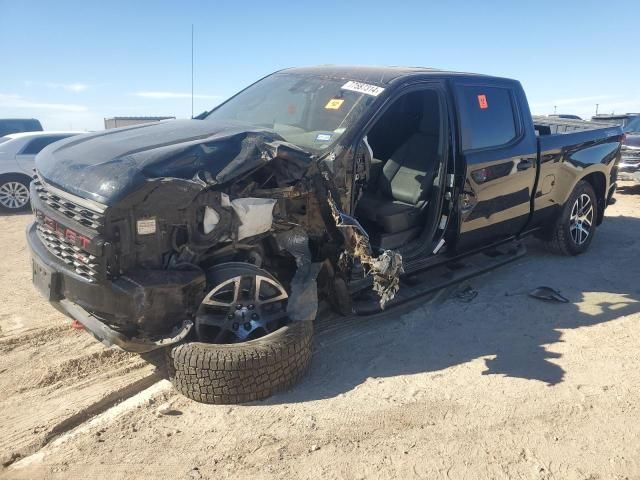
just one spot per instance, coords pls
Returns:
(487, 118)
(38, 143)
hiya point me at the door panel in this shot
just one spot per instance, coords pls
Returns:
(499, 179)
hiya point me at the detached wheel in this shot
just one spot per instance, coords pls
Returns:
(14, 193)
(247, 348)
(575, 227)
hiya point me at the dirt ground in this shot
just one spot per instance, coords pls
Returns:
(504, 386)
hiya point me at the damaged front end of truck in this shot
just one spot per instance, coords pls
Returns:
(162, 250)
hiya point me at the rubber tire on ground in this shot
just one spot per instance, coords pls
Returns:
(242, 372)
(24, 180)
(560, 241)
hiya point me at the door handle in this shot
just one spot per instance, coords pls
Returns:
(524, 165)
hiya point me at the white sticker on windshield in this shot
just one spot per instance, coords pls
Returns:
(323, 137)
(365, 88)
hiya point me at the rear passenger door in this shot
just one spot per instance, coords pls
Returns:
(498, 150)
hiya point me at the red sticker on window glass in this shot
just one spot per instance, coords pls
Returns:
(482, 101)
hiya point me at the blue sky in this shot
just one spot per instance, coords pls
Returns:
(72, 63)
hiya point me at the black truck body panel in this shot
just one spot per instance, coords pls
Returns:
(107, 166)
(94, 196)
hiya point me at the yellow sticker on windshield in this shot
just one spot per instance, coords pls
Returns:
(334, 104)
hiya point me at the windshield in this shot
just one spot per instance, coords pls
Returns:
(633, 125)
(311, 112)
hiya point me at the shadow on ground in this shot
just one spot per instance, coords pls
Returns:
(629, 189)
(502, 322)
(9, 214)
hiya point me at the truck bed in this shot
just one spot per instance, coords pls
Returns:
(551, 125)
(554, 133)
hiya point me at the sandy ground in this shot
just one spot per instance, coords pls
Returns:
(504, 386)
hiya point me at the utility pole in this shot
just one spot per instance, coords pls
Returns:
(597, 105)
(192, 70)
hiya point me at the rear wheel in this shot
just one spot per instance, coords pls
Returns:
(247, 348)
(14, 193)
(575, 227)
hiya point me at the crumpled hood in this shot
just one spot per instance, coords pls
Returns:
(107, 166)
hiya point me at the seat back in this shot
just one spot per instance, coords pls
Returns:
(408, 174)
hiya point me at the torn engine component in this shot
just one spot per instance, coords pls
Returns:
(385, 269)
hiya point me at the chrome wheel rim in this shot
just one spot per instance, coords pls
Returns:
(581, 219)
(14, 195)
(240, 309)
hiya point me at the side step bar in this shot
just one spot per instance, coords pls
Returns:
(422, 283)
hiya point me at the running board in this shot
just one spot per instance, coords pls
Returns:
(422, 283)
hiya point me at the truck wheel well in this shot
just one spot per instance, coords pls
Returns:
(16, 176)
(599, 183)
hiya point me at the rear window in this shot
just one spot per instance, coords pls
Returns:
(37, 144)
(486, 116)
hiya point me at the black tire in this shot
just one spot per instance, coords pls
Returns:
(561, 240)
(242, 372)
(246, 368)
(14, 183)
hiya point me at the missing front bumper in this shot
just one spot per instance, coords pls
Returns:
(110, 337)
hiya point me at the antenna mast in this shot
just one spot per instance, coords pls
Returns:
(192, 70)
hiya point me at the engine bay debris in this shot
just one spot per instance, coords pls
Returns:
(385, 269)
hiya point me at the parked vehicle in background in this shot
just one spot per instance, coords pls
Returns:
(629, 168)
(18, 125)
(17, 160)
(567, 116)
(117, 122)
(621, 119)
(568, 125)
(216, 237)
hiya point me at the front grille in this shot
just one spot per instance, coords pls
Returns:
(85, 212)
(82, 262)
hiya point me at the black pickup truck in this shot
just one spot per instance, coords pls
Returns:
(216, 238)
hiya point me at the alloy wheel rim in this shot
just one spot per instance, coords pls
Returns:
(13, 195)
(240, 309)
(581, 219)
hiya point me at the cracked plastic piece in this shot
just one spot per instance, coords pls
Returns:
(303, 300)
(548, 294)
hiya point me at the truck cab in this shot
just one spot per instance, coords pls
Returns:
(476, 130)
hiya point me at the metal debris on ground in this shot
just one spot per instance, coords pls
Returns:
(548, 294)
(466, 294)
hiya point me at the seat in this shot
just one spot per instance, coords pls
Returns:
(393, 216)
(403, 186)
